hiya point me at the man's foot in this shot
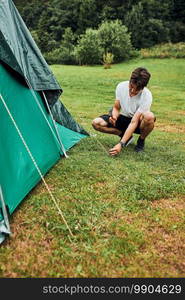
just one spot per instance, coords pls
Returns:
(140, 145)
(129, 141)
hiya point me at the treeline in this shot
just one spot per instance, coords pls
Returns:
(62, 28)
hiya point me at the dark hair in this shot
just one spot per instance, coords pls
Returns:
(140, 77)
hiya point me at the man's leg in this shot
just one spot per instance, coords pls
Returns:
(101, 125)
(146, 126)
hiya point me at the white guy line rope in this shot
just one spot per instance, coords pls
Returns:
(98, 142)
(35, 164)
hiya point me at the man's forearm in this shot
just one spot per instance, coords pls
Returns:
(115, 112)
(130, 130)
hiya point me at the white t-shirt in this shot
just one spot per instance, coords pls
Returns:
(130, 105)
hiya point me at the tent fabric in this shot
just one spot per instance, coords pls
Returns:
(20, 52)
(25, 120)
(63, 117)
(18, 174)
(16, 166)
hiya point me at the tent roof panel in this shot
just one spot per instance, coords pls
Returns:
(20, 52)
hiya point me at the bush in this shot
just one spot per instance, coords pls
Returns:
(88, 49)
(107, 60)
(114, 38)
(60, 56)
(45, 42)
(65, 53)
(111, 37)
(167, 50)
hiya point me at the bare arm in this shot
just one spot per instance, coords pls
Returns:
(132, 126)
(130, 130)
(115, 112)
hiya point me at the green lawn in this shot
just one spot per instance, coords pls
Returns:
(126, 212)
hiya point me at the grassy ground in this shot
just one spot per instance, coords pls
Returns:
(126, 212)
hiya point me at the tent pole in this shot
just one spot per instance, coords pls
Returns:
(62, 146)
(4, 210)
(34, 96)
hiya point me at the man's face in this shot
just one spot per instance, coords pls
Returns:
(133, 89)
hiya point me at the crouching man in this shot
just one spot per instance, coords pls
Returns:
(131, 112)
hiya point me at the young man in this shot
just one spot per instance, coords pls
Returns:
(131, 112)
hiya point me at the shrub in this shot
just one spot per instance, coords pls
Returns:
(88, 49)
(65, 53)
(45, 41)
(110, 38)
(60, 56)
(166, 50)
(107, 60)
(114, 38)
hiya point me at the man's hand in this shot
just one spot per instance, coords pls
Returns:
(115, 150)
(113, 120)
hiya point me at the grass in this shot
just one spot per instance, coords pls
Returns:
(126, 212)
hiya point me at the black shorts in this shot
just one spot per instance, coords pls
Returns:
(121, 123)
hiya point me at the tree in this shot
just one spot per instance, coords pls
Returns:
(87, 16)
(178, 10)
(134, 20)
(148, 21)
(88, 49)
(111, 37)
(177, 27)
(154, 32)
(31, 13)
(116, 9)
(114, 38)
(148, 25)
(65, 53)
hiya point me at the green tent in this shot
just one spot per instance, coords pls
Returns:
(36, 128)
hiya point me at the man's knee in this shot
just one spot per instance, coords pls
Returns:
(149, 118)
(97, 123)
